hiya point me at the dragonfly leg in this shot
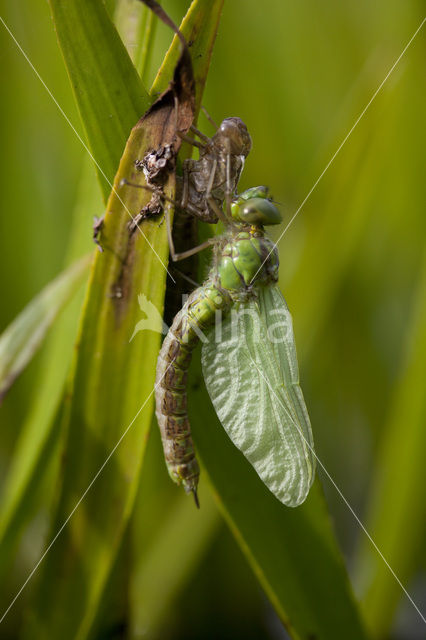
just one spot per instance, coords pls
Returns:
(198, 213)
(209, 118)
(176, 203)
(185, 188)
(176, 257)
(190, 140)
(195, 494)
(198, 133)
(218, 211)
(228, 189)
(98, 223)
(211, 201)
(211, 178)
(169, 234)
(185, 254)
(186, 277)
(176, 112)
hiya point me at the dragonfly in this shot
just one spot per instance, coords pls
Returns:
(207, 182)
(251, 372)
(201, 190)
(205, 186)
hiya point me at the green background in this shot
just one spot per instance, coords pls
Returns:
(353, 271)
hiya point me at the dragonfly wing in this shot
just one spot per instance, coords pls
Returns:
(280, 333)
(251, 373)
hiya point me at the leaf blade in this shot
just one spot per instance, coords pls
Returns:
(395, 512)
(22, 338)
(111, 408)
(39, 435)
(108, 91)
(293, 552)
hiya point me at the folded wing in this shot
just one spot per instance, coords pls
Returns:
(251, 373)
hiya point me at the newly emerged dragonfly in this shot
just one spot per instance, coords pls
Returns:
(205, 186)
(251, 373)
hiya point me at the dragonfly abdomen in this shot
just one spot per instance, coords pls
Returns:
(197, 314)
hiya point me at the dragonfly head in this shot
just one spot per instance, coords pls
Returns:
(233, 137)
(253, 207)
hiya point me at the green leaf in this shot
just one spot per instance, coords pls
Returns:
(111, 400)
(39, 437)
(293, 552)
(350, 263)
(396, 510)
(107, 88)
(202, 23)
(329, 273)
(137, 26)
(40, 434)
(20, 341)
(158, 576)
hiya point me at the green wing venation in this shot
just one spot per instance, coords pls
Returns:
(252, 378)
(273, 304)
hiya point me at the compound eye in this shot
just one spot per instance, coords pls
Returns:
(259, 211)
(225, 127)
(235, 131)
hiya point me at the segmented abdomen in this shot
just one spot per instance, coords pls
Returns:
(196, 315)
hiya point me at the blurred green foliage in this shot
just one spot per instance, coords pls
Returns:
(352, 270)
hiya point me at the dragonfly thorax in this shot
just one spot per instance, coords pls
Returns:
(246, 260)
